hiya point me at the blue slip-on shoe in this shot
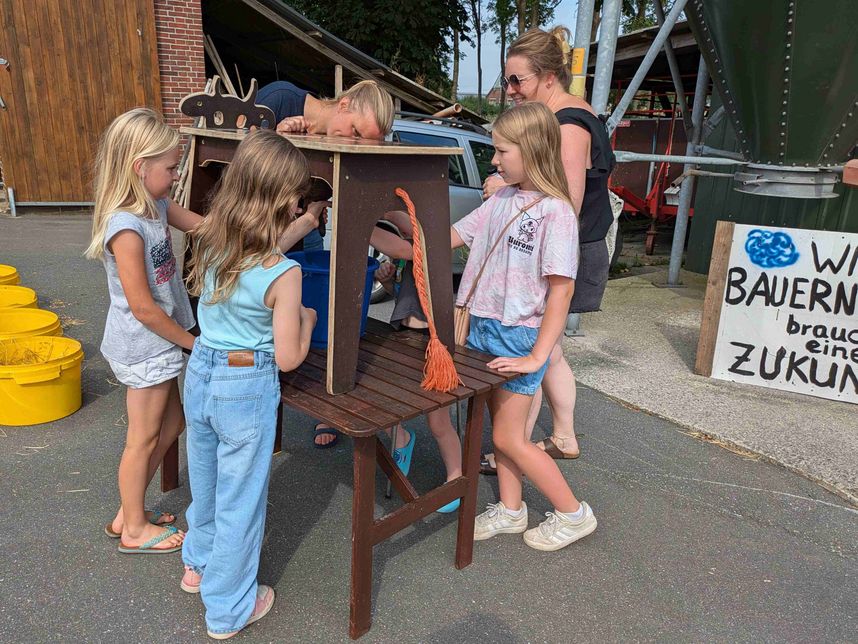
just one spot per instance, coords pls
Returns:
(402, 455)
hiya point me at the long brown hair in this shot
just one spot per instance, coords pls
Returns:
(545, 52)
(250, 212)
(535, 130)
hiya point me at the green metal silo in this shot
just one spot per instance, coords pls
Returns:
(786, 73)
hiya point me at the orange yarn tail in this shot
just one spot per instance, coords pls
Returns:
(439, 372)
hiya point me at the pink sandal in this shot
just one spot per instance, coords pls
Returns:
(191, 581)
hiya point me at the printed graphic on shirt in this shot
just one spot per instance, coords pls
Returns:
(163, 261)
(526, 233)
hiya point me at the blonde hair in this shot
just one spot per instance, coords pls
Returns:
(250, 212)
(535, 130)
(140, 133)
(545, 52)
(367, 97)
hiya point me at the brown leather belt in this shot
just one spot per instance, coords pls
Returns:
(240, 358)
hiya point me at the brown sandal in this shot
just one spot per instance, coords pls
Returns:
(550, 448)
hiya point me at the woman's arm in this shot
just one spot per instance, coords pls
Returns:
(127, 246)
(390, 244)
(560, 290)
(492, 184)
(298, 229)
(293, 324)
(575, 155)
(402, 222)
(181, 218)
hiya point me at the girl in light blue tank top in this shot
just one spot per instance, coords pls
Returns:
(252, 326)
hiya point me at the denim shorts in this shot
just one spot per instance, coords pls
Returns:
(151, 371)
(490, 336)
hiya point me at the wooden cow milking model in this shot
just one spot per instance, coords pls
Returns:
(363, 175)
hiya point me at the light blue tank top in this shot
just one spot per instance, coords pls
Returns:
(242, 321)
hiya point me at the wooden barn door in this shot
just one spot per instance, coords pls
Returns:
(73, 65)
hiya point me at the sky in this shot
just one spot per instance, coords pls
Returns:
(564, 14)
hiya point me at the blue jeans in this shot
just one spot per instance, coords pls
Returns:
(231, 417)
(313, 240)
(490, 336)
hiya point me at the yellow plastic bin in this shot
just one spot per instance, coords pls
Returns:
(8, 275)
(22, 323)
(18, 297)
(39, 379)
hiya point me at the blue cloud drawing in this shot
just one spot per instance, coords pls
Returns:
(770, 249)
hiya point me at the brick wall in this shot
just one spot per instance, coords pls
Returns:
(179, 28)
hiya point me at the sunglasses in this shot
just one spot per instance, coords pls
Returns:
(514, 79)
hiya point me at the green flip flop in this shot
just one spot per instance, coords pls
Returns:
(156, 515)
(148, 547)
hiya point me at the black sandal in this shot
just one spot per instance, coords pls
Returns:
(486, 467)
(317, 430)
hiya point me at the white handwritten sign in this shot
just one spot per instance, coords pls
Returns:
(788, 314)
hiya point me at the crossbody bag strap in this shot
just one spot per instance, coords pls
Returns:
(495, 245)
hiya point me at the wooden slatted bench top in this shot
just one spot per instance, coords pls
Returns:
(332, 143)
(387, 391)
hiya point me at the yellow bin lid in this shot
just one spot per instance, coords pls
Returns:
(9, 275)
(21, 323)
(17, 297)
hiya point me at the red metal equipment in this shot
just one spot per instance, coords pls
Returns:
(630, 181)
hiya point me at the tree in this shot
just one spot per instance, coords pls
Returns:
(503, 13)
(477, 21)
(454, 87)
(527, 14)
(638, 14)
(417, 44)
(534, 13)
(635, 14)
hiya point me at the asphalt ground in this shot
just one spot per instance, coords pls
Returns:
(695, 542)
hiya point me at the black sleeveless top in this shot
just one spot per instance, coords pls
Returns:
(596, 216)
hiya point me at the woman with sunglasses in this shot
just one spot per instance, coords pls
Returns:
(537, 70)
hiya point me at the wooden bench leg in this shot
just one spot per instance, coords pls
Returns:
(170, 468)
(363, 515)
(471, 472)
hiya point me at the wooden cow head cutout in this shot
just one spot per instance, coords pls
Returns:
(227, 112)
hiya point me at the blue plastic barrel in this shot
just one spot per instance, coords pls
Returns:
(316, 283)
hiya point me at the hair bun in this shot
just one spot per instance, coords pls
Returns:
(562, 35)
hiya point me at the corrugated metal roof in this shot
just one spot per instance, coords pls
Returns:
(632, 47)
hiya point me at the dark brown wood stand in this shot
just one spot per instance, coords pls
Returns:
(389, 371)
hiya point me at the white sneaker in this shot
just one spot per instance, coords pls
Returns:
(558, 532)
(497, 520)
